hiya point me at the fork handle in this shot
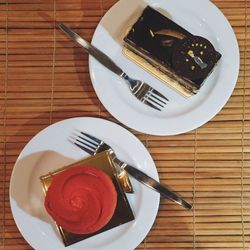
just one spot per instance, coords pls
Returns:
(152, 183)
(93, 51)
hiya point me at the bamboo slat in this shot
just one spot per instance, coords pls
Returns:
(44, 78)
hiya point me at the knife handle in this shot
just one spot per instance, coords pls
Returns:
(155, 185)
(93, 51)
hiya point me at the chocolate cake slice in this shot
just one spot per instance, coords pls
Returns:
(170, 52)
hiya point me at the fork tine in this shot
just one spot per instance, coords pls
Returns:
(146, 101)
(152, 99)
(159, 94)
(159, 98)
(92, 143)
(76, 142)
(84, 148)
(85, 143)
(91, 137)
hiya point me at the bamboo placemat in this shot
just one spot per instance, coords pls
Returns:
(44, 79)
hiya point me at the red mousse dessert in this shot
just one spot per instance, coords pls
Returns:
(81, 199)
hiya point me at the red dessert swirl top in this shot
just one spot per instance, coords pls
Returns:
(81, 200)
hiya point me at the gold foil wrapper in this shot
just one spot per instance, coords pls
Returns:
(123, 212)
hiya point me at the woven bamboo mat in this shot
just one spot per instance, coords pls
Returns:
(43, 79)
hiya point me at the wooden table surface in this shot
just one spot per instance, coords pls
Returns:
(44, 78)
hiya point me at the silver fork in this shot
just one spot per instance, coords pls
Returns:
(92, 145)
(141, 90)
(78, 139)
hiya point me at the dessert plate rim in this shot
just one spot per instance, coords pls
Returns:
(181, 114)
(51, 147)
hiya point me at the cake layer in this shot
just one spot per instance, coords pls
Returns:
(185, 90)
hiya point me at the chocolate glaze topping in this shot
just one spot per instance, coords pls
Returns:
(161, 39)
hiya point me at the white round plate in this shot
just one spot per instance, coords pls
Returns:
(200, 17)
(49, 150)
